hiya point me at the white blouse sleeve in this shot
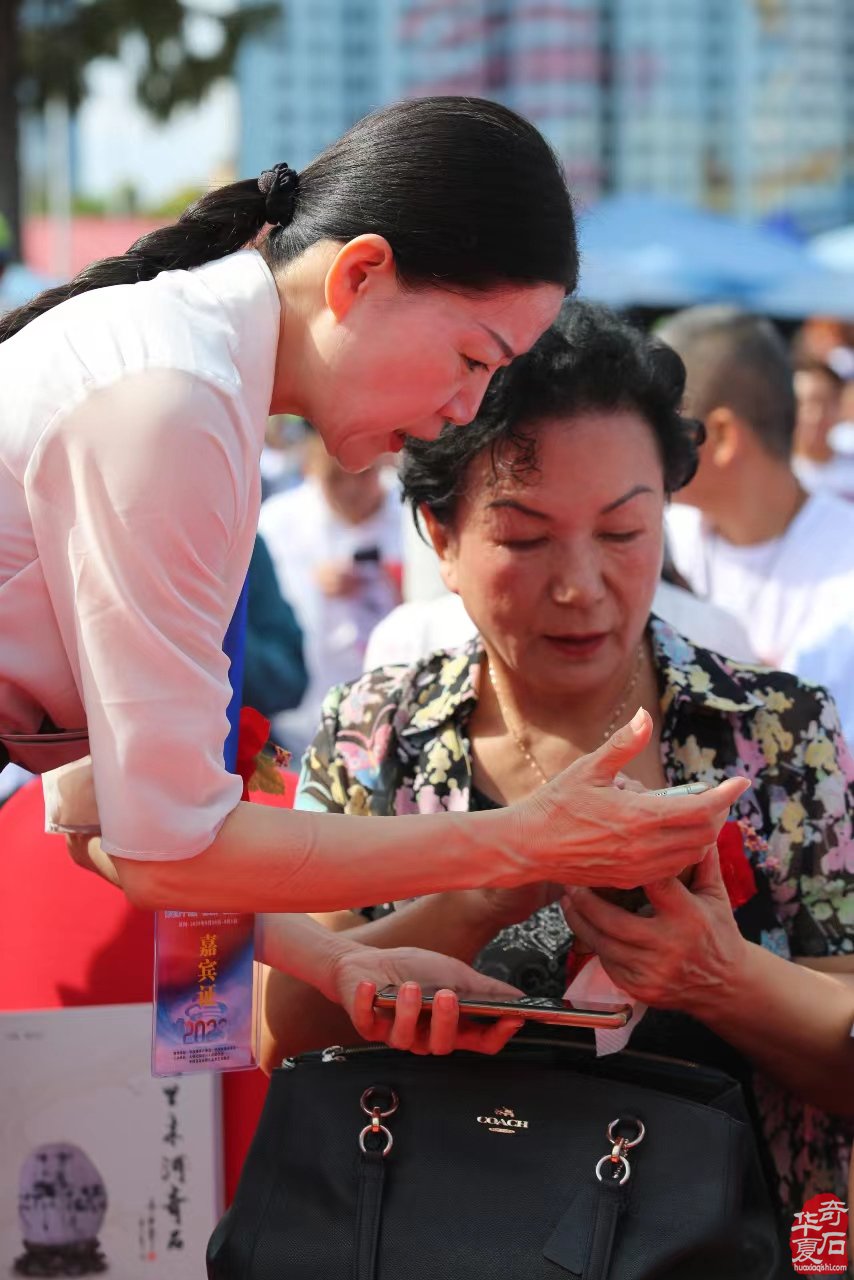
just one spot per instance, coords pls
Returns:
(136, 496)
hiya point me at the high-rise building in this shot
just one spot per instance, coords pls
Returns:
(739, 105)
(658, 98)
(309, 76)
(745, 106)
(542, 59)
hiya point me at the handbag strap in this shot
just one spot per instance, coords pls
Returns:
(369, 1206)
(608, 1209)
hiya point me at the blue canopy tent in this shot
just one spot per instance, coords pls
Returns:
(646, 251)
(815, 291)
(18, 284)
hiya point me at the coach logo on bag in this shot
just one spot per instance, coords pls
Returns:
(503, 1121)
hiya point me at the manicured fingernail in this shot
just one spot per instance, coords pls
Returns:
(638, 718)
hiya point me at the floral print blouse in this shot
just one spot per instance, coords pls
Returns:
(395, 742)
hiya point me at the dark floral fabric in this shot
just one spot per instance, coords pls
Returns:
(395, 742)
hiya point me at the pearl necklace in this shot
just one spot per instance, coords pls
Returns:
(521, 742)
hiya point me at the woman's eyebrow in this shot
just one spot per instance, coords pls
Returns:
(512, 505)
(627, 497)
(501, 342)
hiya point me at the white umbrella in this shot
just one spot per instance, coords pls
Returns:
(834, 249)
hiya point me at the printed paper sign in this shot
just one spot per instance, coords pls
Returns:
(102, 1167)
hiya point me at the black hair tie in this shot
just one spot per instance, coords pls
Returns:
(279, 185)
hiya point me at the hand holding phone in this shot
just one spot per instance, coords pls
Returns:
(360, 971)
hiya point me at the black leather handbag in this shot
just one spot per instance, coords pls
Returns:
(542, 1162)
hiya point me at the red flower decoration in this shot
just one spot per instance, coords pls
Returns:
(259, 770)
(736, 871)
(252, 737)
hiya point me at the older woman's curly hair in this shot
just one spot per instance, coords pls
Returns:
(589, 361)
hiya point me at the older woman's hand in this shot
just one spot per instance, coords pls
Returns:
(686, 956)
(584, 830)
(360, 971)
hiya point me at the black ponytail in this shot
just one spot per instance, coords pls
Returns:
(219, 223)
(467, 193)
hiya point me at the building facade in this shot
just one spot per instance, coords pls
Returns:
(543, 59)
(743, 106)
(308, 77)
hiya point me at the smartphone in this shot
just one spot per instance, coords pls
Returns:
(687, 789)
(367, 555)
(558, 1013)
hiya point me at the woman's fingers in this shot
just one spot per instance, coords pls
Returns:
(438, 1030)
(609, 949)
(603, 765)
(364, 1016)
(444, 1022)
(612, 920)
(710, 808)
(407, 1011)
(491, 1039)
(708, 873)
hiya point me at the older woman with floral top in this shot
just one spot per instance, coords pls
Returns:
(547, 517)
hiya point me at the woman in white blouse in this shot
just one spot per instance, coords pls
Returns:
(412, 259)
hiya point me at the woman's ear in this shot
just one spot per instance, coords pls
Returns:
(444, 544)
(363, 265)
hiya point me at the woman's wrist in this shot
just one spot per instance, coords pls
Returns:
(505, 850)
(301, 947)
(727, 988)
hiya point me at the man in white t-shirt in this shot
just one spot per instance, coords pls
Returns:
(335, 541)
(751, 539)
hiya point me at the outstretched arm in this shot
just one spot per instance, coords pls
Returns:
(580, 829)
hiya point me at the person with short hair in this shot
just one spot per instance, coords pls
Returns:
(815, 461)
(745, 533)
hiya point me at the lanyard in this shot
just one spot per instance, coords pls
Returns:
(205, 994)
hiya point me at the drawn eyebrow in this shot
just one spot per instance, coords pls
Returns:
(502, 343)
(512, 505)
(627, 497)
